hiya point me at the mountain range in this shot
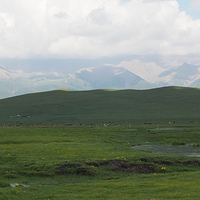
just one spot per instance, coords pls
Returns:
(14, 83)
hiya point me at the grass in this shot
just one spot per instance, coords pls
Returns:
(179, 186)
(170, 104)
(77, 145)
(95, 163)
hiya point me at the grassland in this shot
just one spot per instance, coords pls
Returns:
(161, 105)
(79, 145)
(59, 163)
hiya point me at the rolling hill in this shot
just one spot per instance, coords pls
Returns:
(162, 104)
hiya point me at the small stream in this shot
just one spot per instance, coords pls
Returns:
(186, 150)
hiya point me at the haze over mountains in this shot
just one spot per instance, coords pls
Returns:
(129, 76)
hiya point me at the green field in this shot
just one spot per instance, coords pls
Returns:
(58, 163)
(162, 105)
(62, 145)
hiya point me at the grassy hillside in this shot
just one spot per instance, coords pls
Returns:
(162, 104)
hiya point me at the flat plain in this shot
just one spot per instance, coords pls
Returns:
(96, 163)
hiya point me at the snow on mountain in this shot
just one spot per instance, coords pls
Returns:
(105, 77)
(17, 82)
(183, 75)
(195, 83)
(111, 77)
(146, 70)
(4, 73)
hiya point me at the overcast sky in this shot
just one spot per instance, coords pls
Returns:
(91, 29)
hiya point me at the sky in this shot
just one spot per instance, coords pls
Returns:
(191, 7)
(77, 29)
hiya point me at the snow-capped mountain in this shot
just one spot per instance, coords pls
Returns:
(196, 83)
(4, 73)
(108, 77)
(14, 83)
(146, 70)
(183, 75)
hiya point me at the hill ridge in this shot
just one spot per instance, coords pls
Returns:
(58, 106)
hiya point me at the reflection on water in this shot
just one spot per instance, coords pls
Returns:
(186, 150)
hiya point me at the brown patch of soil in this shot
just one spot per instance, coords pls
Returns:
(135, 168)
(65, 168)
(71, 168)
(125, 166)
(95, 164)
(85, 171)
(192, 162)
(145, 160)
(162, 162)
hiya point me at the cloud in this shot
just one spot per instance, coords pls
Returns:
(61, 15)
(195, 4)
(94, 29)
(98, 17)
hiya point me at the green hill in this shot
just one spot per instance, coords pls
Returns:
(162, 104)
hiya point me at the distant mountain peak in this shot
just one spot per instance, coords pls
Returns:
(84, 69)
(4, 73)
(102, 77)
(2, 67)
(183, 75)
(109, 77)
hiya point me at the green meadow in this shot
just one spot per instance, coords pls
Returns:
(161, 105)
(62, 145)
(94, 162)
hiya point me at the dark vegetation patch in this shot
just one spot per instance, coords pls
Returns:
(72, 168)
(66, 169)
(116, 166)
(163, 162)
(85, 171)
(192, 162)
(145, 159)
(178, 143)
(135, 168)
(143, 166)
(172, 162)
(125, 166)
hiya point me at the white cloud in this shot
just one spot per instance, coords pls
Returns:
(93, 29)
(195, 4)
(61, 15)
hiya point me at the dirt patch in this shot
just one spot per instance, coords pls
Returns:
(95, 164)
(66, 169)
(164, 162)
(135, 168)
(145, 160)
(85, 171)
(125, 166)
(192, 162)
(72, 168)
(114, 162)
